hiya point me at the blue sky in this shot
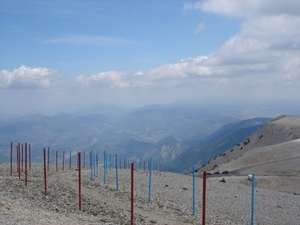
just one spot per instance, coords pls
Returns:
(143, 52)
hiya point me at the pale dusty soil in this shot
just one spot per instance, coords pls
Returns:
(227, 203)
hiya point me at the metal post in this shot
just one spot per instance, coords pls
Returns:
(117, 181)
(79, 179)
(56, 161)
(26, 165)
(22, 156)
(84, 160)
(70, 167)
(194, 190)
(29, 157)
(204, 198)
(150, 180)
(252, 200)
(63, 161)
(19, 160)
(11, 158)
(48, 160)
(104, 165)
(132, 193)
(45, 173)
(91, 165)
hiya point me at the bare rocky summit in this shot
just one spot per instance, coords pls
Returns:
(171, 201)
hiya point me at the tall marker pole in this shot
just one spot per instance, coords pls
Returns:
(204, 198)
(79, 180)
(19, 157)
(11, 158)
(45, 172)
(117, 181)
(56, 161)
(26, 165)
(194, 190)
(22, 156)
(150, 180)
(29, 157)
(63, 161)
(48, 160)
(132, 193)
(70, 160)
(252, 199)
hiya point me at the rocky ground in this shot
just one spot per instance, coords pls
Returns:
(171, 200)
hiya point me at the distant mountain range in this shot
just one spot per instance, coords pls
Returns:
(215, 144)
(272, 154)
(177, 135)
(153, 131)
(279, 139)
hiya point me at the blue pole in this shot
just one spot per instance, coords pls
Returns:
(252, 202)
(194, 190)
(150, 180)
(91, 164)
(110, 162)
(97, 162)
(117, 181)
(104, 164)
(94, 163)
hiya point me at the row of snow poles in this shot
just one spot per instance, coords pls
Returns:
(22, 160)
(204, 195)
(94, 167)
(93, 164)
(46, 168)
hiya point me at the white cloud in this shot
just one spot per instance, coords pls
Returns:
(28, 78)
(102, 80)
(246, 8)
(88, 40)
(199, 28)
(264, 52)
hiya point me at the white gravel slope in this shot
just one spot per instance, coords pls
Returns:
(171, 202)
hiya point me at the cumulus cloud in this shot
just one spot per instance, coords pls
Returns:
(246, 8)
(28, 78)
(102, 80)
(264, 51)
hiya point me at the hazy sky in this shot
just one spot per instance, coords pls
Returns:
(143, 52)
